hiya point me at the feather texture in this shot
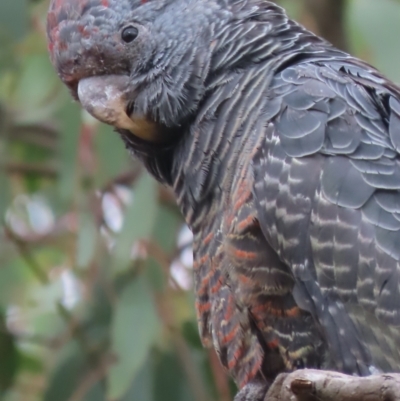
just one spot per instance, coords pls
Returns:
(283, 153)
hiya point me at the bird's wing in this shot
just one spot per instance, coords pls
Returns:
(327, 188)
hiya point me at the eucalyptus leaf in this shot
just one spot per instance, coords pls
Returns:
(135, 329)
(72, 370)
(8, 357)
(139, 221)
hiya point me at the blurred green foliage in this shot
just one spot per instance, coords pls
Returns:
(95, 287)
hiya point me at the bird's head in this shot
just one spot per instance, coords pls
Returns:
(133, 59)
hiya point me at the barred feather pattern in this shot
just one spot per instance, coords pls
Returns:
(284, 158)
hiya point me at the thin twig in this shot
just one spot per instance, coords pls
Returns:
(92, 377)
(42, 169)
(220, 377)
(27, 256)
(43, 136)
(163, 259)
(73, 324)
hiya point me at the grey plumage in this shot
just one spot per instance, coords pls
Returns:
(352, 244)
(283, 153)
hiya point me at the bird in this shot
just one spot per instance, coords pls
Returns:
(283, 154)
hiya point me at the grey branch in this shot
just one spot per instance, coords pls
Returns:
(318, 385)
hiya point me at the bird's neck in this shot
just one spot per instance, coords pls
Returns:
(218, 145)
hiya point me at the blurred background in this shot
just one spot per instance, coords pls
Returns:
(96, 297)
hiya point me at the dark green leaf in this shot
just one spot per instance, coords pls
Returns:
(30, 363)
(71, 372)
(8, 357)
(143, 384)
(113, 157)
(134, 331)
(171, 382)
(87, 239)
(139, 221)
(70, 117)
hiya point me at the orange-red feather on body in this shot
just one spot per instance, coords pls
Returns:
(245, 305)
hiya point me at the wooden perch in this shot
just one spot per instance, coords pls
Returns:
(318, 385)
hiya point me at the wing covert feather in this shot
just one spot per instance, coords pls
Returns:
(330, 163)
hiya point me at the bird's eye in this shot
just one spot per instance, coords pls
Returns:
(129, 34)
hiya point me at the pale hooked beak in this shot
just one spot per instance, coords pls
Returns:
(105, 98)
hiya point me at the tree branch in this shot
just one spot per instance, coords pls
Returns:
(328, 20)
(318, 385)
(44, 170)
